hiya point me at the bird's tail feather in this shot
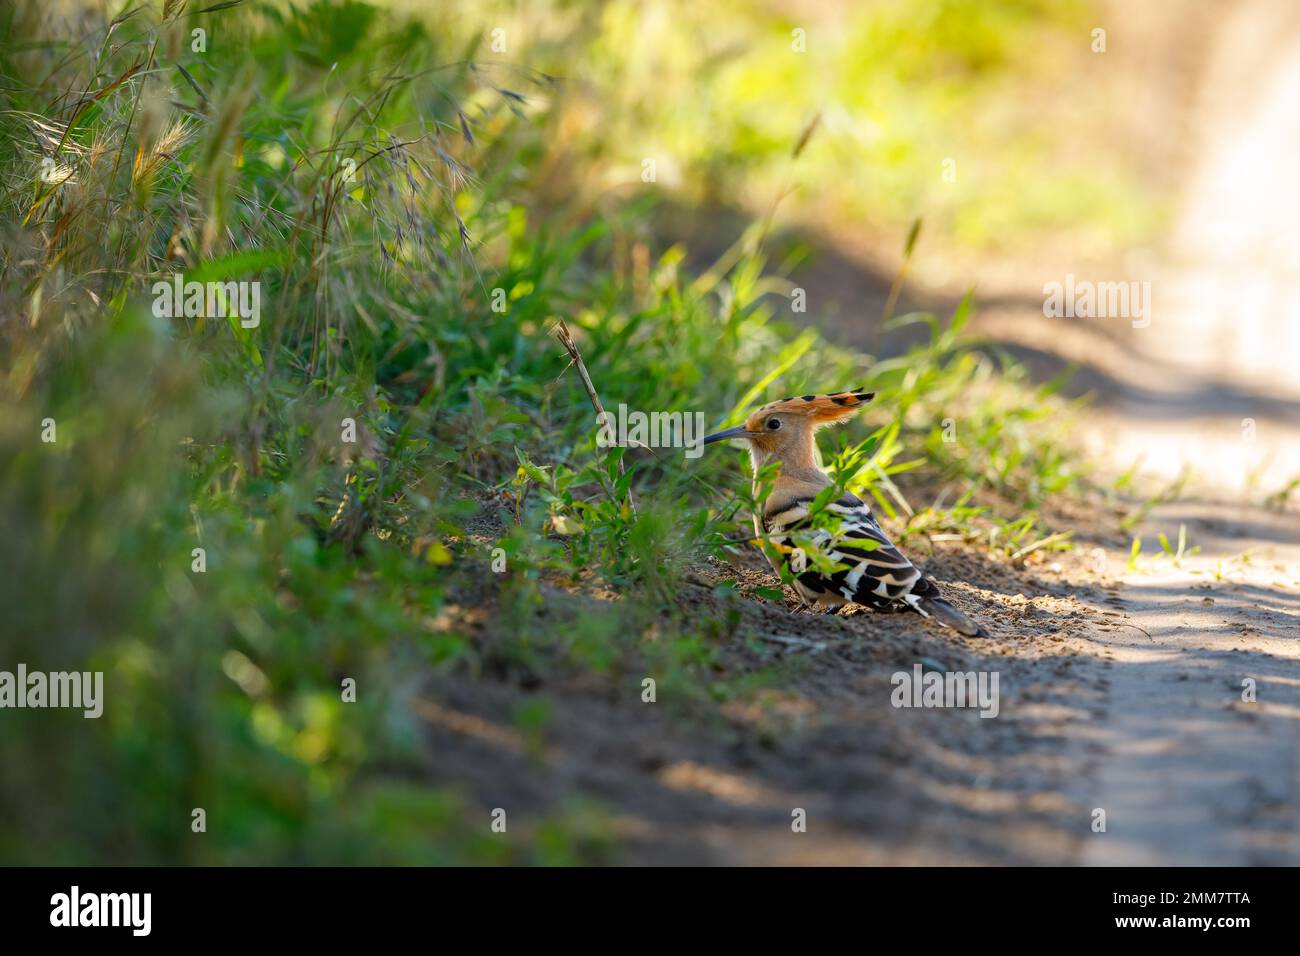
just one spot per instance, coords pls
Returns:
(949, 616)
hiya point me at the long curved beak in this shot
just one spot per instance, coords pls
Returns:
(738, 432)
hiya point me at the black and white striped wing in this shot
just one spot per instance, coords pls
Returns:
(876, 574)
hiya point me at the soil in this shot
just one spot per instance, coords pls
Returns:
(1119, 690)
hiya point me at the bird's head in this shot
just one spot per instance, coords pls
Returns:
(783, 431)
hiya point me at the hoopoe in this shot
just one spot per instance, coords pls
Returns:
(875, 573)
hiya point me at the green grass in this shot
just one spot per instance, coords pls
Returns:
(329, 560)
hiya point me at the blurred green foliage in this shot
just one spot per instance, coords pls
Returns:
(947, 109)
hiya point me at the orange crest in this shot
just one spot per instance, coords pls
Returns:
(820, 409)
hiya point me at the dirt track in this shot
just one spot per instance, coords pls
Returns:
(1119, 691)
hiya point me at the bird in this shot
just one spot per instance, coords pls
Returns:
(873, 572)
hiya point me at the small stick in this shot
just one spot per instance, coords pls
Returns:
(799, 643)
(561, 332)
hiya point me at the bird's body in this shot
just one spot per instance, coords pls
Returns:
(872, 572)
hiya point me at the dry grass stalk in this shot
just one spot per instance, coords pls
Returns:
(561, 332)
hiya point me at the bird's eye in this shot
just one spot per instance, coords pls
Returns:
(773, 424)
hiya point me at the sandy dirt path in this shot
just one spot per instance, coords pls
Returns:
(1120, 690)
(1201, 721)
(1192, 773)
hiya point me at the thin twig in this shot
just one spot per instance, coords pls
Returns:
(1135, 627)
(798, 643)
(561, 332)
